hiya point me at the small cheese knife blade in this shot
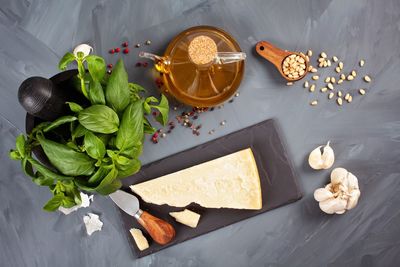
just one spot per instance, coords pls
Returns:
(161, 231)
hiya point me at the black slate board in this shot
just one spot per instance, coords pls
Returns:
(278, 181)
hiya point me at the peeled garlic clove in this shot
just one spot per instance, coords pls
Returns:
(328, 157)
(332, 205)
(322, 194)
(353, 199)
(321, 160)
(338, 176)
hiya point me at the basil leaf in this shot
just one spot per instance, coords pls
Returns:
(20, 145)
(147, 127)
(47, 172)
(96, 67)
(136, 88)
(65, 159)
(65, 60)
(99, 118)
(58, 122)
(68, 202)
(94, 146)
(129, 169)
(132, 152)
(42, 180)
(13, 154)
(146, 108)
(163, 108)
(131, 130)
(98, 175)
(27, 167)
(74, 107)
(96, 93)
(79, 131)
(117, 90)
(110, 188)
(54, 203)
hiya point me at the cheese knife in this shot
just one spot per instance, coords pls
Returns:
(161, 231)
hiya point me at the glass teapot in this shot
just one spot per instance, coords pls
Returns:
(202, 66)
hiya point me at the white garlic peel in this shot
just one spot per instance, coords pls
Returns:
(341, 194)
(321, 160)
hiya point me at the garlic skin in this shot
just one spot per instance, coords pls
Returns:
(84, 48)
(324, 160)
(340, 195)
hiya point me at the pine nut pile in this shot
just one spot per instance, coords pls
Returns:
(294, 66)
(331, 84)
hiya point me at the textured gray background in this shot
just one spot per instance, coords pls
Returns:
(365, 135)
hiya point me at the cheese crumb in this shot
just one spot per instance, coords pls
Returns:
(186, 217)
(140, 239)
(92, 223)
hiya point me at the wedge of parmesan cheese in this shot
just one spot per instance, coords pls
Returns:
(140, 240)
(186, 217)
(230, 181)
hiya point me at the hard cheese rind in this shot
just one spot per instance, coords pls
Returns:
(230, 181)
(186, 217)
(140, 240)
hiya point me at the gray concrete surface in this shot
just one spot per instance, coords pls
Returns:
(365, 134)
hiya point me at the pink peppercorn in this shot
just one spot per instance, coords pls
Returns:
(126, 51)
(117, 50)
(125, 44)
(112, 51)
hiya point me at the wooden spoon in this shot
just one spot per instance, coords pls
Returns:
(276, 56)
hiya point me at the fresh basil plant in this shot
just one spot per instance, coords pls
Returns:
(105, 139)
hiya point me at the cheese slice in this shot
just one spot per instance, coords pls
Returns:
(187, 217)
(230, 181)
(140, 240)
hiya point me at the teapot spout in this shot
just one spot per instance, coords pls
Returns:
(229, 57)
(161, 63)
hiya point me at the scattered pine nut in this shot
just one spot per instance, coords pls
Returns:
(329, 63)
(339, 81)
(314, 70)
(339, 101)
(324, 89)
(350, 77)
(321, 60)
(346, 97)
(309, 53)
(362, 91)
(350, 99)
(367, 79)
(333, 80)
(362, 62)
(314, 103)
(289, 83)
(330, 95)
(327, 79)
(337, 69)
(323, 55)
(306, 84)
(312, 88)
(342, 76)
(339, 94)
(335, 59)
(341, 65)
(321, 64)
(315, 77)
(330, 86)
(325, 64)
(353, 73)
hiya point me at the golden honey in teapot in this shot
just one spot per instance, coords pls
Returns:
(202, 66)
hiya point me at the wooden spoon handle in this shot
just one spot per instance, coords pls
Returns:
(161, 231)
(271, 53)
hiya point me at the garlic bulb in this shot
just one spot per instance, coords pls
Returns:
(84, 48)
(324, 160)
(341, 194)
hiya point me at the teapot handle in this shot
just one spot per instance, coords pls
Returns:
(229, 57)
(161, 63)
